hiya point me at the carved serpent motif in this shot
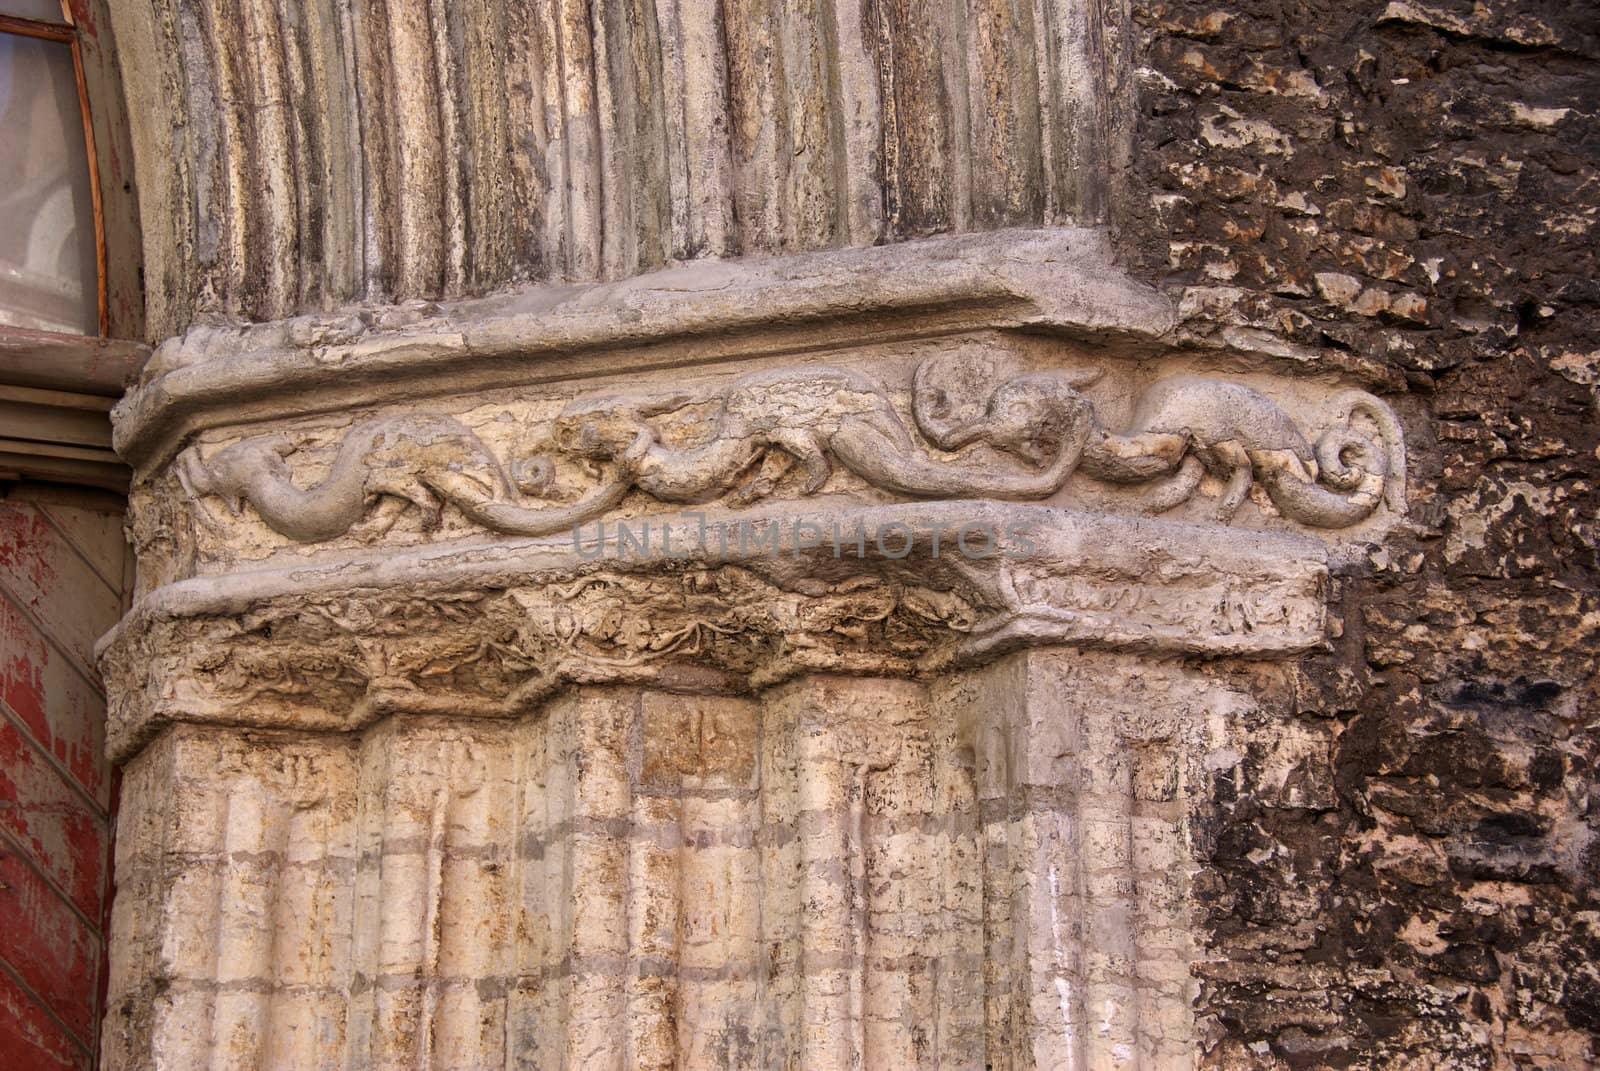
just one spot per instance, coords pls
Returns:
(820, 416)
(423, 461)
(812, 415)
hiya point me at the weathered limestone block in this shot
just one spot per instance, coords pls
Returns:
(235, 919)
(1082, 765)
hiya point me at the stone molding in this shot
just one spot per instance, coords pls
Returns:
(492, 631)
(822, 417)
(274, 580)
(56, 392)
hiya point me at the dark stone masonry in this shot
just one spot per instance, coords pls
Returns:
(1416, 185)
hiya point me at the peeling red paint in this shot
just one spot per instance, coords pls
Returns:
(23, 656)
(83, 18)
(62, 834)
(24, 546)
(56, 584)
(60, 577)
(48, 946)
(64, 715)
(29, 1038)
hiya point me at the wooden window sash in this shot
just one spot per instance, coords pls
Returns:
(66, 32)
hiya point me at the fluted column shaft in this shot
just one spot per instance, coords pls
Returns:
(299, 156)
(843, 873)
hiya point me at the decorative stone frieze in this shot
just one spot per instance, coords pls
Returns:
(821, 416)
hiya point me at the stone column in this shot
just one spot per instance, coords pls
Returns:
(837, 711)
(776, 627)
(1083, 764)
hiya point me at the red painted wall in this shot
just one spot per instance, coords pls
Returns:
(62, 581)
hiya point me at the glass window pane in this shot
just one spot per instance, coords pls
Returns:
(47, 257)
(43, 10)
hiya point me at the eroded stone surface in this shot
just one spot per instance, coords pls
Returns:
(492, 632)
(946, 786)
(1388, 844)
(750, 433)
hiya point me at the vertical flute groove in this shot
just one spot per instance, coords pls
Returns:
(388, 150)
(860, 916)
(449, 100)
(273, 158)
(432, 920)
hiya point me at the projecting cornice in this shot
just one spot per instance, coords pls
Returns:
(1061, 281)
(55, 393)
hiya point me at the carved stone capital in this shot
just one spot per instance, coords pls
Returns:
(584, 486)
(790, 605)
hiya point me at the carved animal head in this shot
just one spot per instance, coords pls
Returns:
(1030, 415)
(597, 437)
(1033, 415)
(231, 472)
(603, 429)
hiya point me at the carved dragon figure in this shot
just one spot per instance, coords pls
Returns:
(408, 460)
(814, 414)
(1187, 426)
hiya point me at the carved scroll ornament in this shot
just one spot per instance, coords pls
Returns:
(1183, 428)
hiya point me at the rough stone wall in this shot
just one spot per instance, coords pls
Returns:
(1415, 185)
